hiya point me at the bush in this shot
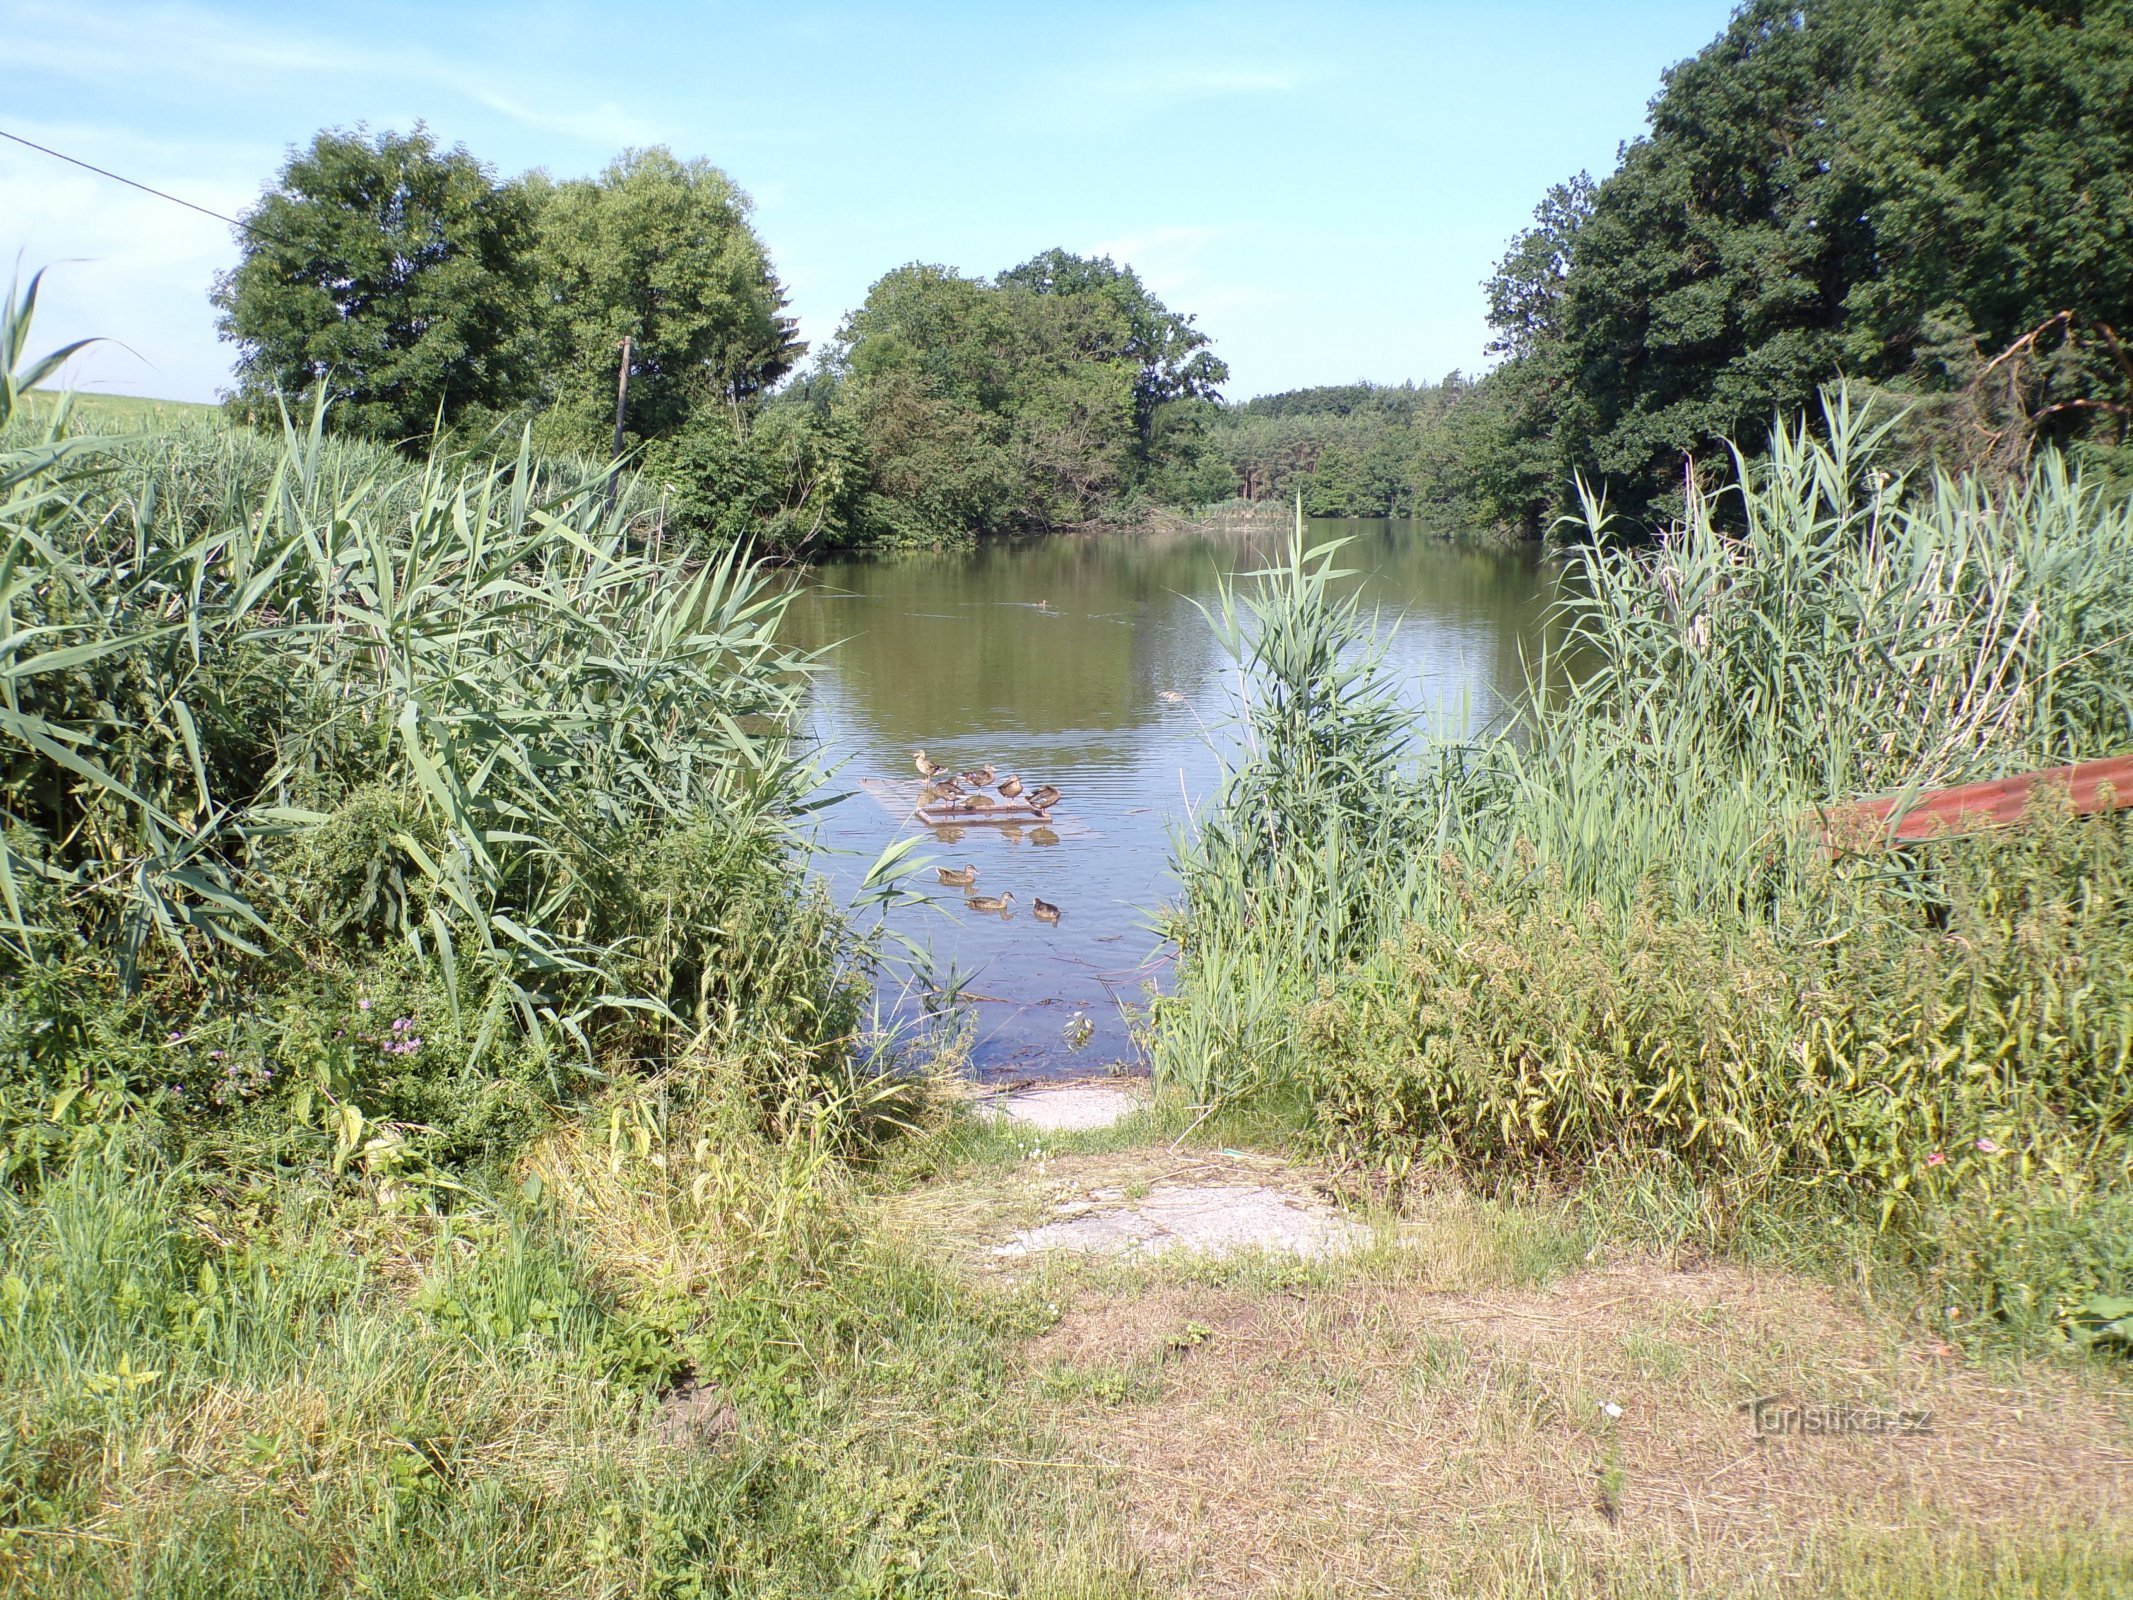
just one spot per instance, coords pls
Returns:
(1614, 935)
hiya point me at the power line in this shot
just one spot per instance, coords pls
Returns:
(104, 172)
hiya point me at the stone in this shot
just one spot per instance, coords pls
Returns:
(1210, 1220)
(1066, 1108)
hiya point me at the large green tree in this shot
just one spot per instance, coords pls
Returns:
(1038, 399)
(395, 274)
(660, 251)
(1833, 187)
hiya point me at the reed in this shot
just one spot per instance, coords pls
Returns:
(293, 731)
(1609, 935)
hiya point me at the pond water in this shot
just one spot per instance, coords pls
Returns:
(1083, 661)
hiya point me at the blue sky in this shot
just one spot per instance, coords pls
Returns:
(1324, 186)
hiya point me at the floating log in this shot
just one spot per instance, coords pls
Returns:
(948, 813)
(2090, 786)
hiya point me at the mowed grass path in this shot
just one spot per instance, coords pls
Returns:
(1499, 1399)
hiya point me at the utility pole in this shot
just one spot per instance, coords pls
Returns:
(622, 401)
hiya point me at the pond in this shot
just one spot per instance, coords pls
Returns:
(1085, 662)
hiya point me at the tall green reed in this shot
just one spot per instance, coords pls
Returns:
(286, 705)
(1613, 931)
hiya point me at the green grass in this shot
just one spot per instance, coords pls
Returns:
(122, 413)
(1607, 946)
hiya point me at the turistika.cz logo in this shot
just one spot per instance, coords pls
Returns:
(1770, 1415)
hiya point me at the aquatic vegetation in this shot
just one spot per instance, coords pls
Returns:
(1609, 937)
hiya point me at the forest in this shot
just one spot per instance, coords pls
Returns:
(1929, 199)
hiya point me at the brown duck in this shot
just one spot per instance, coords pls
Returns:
(986, 902)
(926, 768)
(1010, 787)
(961, 878)
(1045, 911)
(978, 777)
(1044, 799)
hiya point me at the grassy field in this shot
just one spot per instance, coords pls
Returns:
(626, 1380)
(122, 413)
(440, 1153)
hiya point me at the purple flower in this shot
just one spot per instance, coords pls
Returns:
(1935, 1159)
(362, 1005)
(1987, 1146)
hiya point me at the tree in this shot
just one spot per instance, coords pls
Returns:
(1034, 401)
(1132, 326)
(1835, 186)
(395, 274)
(660, 251)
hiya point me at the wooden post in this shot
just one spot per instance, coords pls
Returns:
(622, 400)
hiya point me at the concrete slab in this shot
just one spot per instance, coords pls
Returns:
(1068, 1108)
(1209, 1220)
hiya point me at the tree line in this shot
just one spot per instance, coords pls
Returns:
(423, 293)
(1929, 198)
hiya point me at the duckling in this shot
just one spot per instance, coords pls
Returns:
(1045, 910)
(926, 768)
(987, 902)
(962, 879)
(1044, 799)
(1010, 787)
(977, 777)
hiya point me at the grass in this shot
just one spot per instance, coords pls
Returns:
(1607, 950)
(437, 1155)
(124, 413)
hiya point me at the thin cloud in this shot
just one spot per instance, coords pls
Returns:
(155, 46)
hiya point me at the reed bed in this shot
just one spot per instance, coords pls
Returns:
(1608, 939)
(382, 801)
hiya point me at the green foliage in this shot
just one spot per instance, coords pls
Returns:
(1039, 400)
(1613, 934)
(1839, 186)
(291, 732)
(389, 277)
(661, 252)
(788, 475)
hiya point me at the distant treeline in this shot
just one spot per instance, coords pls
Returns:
(1353, 450)
(1932, 198)
(422, 290)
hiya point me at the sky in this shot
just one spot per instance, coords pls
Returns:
(1324, 187)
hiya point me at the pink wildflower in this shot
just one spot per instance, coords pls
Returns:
(1987, 1146)
(1935, 1159)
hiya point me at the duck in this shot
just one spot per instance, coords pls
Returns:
(977, 777)
(926, 768)
(1045, 911)
(1010, 787)
(977, 802)
(960, 878)
(944, 788)
(1044, 799)
(988, 902)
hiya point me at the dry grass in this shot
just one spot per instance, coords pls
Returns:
(1383, 1435)
(1428, 1417)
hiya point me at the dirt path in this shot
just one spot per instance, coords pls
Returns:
(1287, 1398)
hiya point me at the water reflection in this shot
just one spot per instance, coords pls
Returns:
(1085, 662)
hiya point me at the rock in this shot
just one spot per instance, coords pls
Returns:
(696, 1415)
(1068, 1108)
(1209, 1220)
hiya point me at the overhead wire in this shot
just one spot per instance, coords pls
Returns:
(117, 177)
